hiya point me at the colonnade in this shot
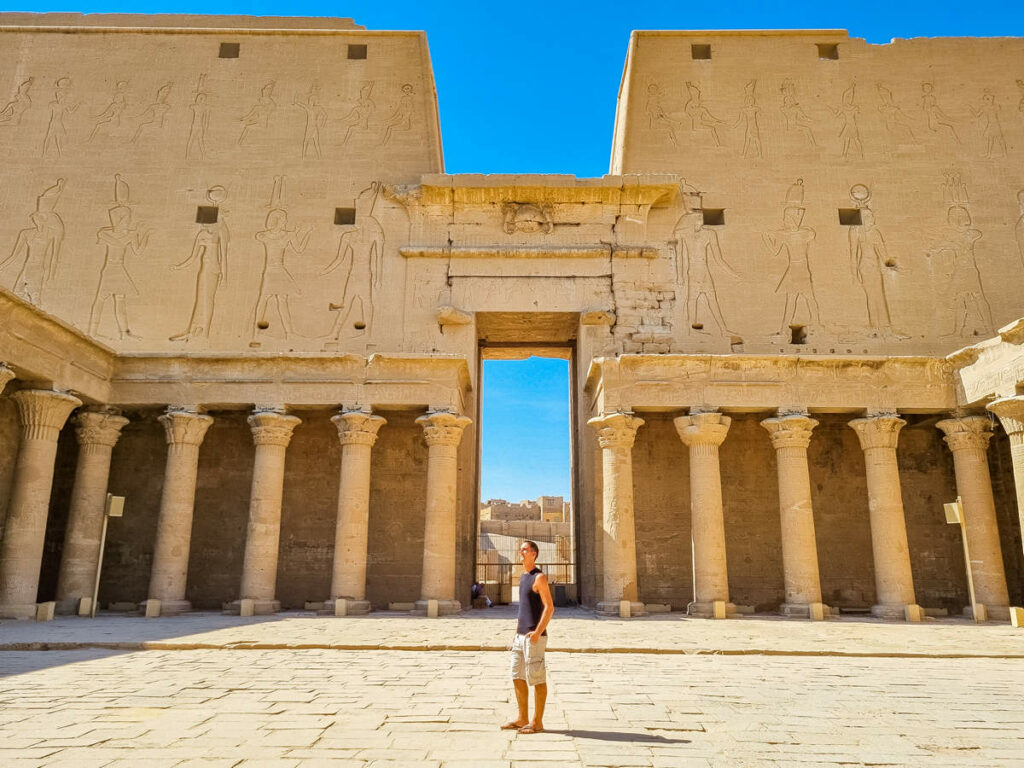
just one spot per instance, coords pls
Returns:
(703, 430)
(44, 413)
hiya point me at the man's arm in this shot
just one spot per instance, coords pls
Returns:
(542, 588)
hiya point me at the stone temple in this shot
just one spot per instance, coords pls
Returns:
(239, 291)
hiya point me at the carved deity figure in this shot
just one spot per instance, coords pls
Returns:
(18, 105)
(259, 114)
(696, 248)
(210, 249)
(56, 129)
(795, 240)
(987, 116)
(933, 113)
(316, 118)
(869, 260)
(155, 113)
(116, 284)
(796, 118)
(896, 121)
(38, 247)
(401, 118)
(700, 116)
(657, 116)
(113, 111)
(958, 240)
(195, 147)
(849, 133)
(748, 117)
(358, 117)
(361, 260)
(277, 283)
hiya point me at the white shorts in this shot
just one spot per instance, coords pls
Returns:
(528, 660)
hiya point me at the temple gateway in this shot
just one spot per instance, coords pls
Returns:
(238, 290)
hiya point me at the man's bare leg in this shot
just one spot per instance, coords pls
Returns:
(540, 696)
(523, 703)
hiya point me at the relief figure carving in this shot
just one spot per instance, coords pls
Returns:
(796, 118)
(276, 282)
(933, 113)
(18, 105)
(200, 123)
(155, 113)
(316, 118)
(38, 247)
(525, 217)
(361, 260)
(987, 117)
(795, 240)
(696, 247)
(870, 261)
(1019, 229)
(748, 117)
(118, 240)
(401, 118)
(259, 114)
(699, 114)
(113, 111)
(56, 129)
(358, 117)
(210, 249)
(657, 116)
(896, 121)
(849, 133)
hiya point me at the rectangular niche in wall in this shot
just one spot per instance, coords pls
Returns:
(849, 217)
(206, 214)
(344, 215)
(357, 51)
(714, 217)
(700, 51)
(229, 50)
(828, 51)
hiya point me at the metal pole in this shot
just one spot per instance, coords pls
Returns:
(99, 563)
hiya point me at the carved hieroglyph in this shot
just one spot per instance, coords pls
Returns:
(38, 247)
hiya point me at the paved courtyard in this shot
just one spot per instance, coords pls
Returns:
(688, 693)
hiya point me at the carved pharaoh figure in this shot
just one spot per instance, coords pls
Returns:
(849, 133)
(958, 240)
(195, 147)
(276, 282)
(113, 111)
(748, 118)
(869, 260)
(657, 116)
(38, 247)
(316, 118)
(700, 116)
(696, 248)
(795, 239)
(359, 116)
(259, 114)
(155, 113)
(56, 129)
(401, 118)
(933, 113)
(18, 105)
(896, 122)
(987, 115)
(796, 118)
(361, 260)
(210, 249)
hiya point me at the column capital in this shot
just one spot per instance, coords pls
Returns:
(1010, 411)
(790, 430)
(6, 374)
(185, 427)
(880, 431)
(43, 411)
(703, 428)
(966, 432)
(616, 430)
(443, 428)
(272, 427)
(99, 426)
(358, 427)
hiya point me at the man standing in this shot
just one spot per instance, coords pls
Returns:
(535, 611)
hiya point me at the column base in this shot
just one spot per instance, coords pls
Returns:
(351, 608)
(993, 612)
(259, 607)
(613, 608)
(898, 612)
(169, 607)
(444, 607)
(68, 606)
(803, 610)
(18, 611)
(706, 610)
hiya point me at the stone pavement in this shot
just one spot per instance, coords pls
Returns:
(678, 705)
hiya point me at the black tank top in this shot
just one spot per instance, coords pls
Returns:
(530, 604)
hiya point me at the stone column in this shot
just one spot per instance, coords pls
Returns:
(357, 432)
(6, 374)
(702, 433)
(271, 433)
(97, 432)
(442, 431)
(894, 581)
(42, 414)
(1010, 411)
(968, 438)
(790, 435)
(185, 431)
(616, 433)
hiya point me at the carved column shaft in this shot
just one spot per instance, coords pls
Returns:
(271, 434)
(894, 580)
(443, 432)
(42, 414)
(968, 438)
(357, 432)
(703, 433)
(1010, 411)
(185, 431)
(97, 433)
(616, 433)
(790, 437)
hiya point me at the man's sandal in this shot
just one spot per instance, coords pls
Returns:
(512, 725)
(531, 728)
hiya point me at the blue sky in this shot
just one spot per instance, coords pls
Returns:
(530, 87)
